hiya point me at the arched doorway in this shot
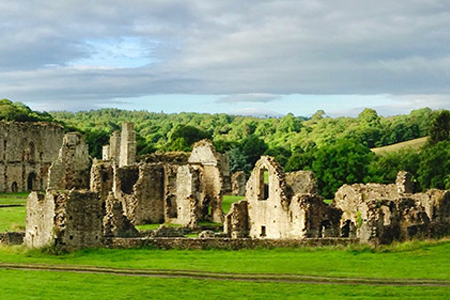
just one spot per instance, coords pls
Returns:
(32, 183)
(14, 187)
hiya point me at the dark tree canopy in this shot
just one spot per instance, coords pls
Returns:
(440, 128)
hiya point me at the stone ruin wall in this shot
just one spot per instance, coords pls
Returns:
(380, 213)
(141, 190)
(214, 172)
(39, 222)
(71, 170)
(122, 146)
(183, 190)
(127, 145)
(238, 182)
(68, 220)
(286, 205)
(26, 152)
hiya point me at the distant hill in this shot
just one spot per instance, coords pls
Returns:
(414, 144)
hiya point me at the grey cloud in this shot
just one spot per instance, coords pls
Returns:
(262, 98)
(236, 48)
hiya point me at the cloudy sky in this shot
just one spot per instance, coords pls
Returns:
(242, 57)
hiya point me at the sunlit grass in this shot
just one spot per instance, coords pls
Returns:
(228, 200)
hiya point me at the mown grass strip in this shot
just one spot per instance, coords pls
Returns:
(228, 276)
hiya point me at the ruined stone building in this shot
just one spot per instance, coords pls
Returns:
(285, 205)
(122, 146)
(89, 201)
(238, 182)
(170, 187)
(279, 205)
(382, 213)
(26, 152)
(68, 216)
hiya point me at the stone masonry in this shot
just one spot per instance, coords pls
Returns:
(72, 167)
(26, 153)
(281, 205)
(382, 213)
(238, 182)
(67, 220)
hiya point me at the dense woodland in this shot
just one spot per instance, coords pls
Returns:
(336, 149)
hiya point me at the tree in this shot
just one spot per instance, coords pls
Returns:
(252, 148)
(440, 128)
(280, 154)
(346, 161)
(189, 134)
(384, 168)
(238, 161)
(369, 116)
(434, 166)
(300, 160)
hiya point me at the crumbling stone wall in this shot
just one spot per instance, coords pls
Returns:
(67, 220)
(40, 221)
(378, 213)
(122, 146)
(26, 152)
(203, 154)
(114, 146)
(140, 188)
(127, 145)
(189, 195)
(236, 221)
(102, 178)
(238, 182)
(72, 167)
(279, 206)
(301, 182)
(115, 223)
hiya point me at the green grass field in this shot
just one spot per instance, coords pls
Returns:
(414, 260)
(407, 261)
(228, 200)
(14, 198)
(13, 218)
(416, 144)
(58, 285)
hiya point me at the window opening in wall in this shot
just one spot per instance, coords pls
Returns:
(263, 231)
(324, 229)
(264, 184)
(32, 182)
(31, 152)
(14, 188)
(346, 229)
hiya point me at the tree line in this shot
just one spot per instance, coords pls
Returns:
(336, 149)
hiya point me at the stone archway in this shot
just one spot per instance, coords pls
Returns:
(32, 182)
(14, 187)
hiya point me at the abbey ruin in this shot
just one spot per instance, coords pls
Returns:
(26, 153)
(99, 203)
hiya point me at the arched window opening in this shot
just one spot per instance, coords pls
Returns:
(264, 184)
(32, 182)
(30, 152)
(14, 187)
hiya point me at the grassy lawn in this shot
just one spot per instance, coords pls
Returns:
(416, 144)
(228, 200)
(418, 259)
(59, 285)
(14, 198)
(13, 218)
(409, 260)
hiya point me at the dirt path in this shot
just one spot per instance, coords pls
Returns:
(287, 278)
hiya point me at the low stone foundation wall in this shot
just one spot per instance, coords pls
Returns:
(11, 238)
(223, 243)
